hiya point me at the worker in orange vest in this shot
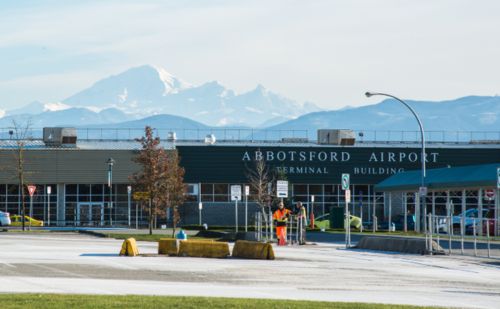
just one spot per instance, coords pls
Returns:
(280, 218)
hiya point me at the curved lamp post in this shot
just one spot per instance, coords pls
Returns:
(422, 138)
(110, 163)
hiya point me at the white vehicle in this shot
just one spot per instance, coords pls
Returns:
(4, 218)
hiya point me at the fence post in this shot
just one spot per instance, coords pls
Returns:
(462, 218)
(474, 233)
(488, 237)
(450, 226)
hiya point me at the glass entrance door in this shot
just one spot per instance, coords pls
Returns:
(90, 214)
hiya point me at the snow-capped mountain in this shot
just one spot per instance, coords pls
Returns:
(478, 115)
(147, 90)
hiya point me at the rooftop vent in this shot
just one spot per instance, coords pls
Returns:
(171, 137)
(210, 139)
(336, 137)
(59, 136)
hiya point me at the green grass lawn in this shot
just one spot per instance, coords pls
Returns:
(40, 301)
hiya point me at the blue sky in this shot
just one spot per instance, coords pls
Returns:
(327, 52)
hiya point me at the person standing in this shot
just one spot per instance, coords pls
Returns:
(300, 212)
(280, 218)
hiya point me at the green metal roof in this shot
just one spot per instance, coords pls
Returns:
(471, 176)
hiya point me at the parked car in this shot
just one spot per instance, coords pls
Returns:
(323, 222)
(469, 216)
(16, 221)
(488, 222)
(4, 218)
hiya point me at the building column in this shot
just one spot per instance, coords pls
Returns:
(61, 204)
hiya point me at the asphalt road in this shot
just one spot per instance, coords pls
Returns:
(73, 263)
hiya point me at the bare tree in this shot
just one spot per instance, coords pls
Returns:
(21, 136)
(261, 180)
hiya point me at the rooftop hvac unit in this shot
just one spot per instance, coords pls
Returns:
(59, 136)
(210, 139)
(171, 137)
(336, 137)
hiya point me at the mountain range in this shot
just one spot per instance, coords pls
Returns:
(146, 90)
(148, 95)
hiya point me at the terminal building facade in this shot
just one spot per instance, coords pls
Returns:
(77, 174)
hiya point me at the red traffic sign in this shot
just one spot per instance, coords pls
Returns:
(489, 194)
(31, 190)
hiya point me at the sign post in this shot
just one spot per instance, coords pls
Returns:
(247, 193)
(49, 191)
(31, 190)
(498, 177)
(345, 180)
(129, 192)
(200, 208)
(236, 196)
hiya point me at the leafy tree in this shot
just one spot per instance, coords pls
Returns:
(161, 177)
(173, 185)
(149, 178)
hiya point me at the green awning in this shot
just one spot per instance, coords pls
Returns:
(471, 176)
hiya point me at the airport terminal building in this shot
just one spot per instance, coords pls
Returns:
(71, 173)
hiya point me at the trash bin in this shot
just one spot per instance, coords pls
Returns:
(181, 235)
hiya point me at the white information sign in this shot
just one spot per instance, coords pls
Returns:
(236, 193)
(282, 188)
(422, 191)
(347, 196)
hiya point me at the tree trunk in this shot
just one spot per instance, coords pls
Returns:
(150, 218)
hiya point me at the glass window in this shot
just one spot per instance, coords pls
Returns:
(221, 198)
(71, 189)
(207, 188)
(207, 198)
(220, 188)
(330, 189)
(97, 189)
(83, 189)
(13, 189)
(300, 189)
(316, 189)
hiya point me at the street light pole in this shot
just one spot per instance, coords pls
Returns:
(110, 163)
(422, 138)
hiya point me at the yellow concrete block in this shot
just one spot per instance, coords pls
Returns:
(129, 247)
(168, 246)
(209, 249)
(253, 250)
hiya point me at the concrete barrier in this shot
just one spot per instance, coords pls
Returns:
(168, 246)
(208, 249)
(129, 247)
(253, 250)
(398, 244)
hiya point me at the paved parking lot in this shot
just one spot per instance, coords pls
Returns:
(74, 263)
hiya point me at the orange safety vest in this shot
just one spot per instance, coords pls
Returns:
(281, 216)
